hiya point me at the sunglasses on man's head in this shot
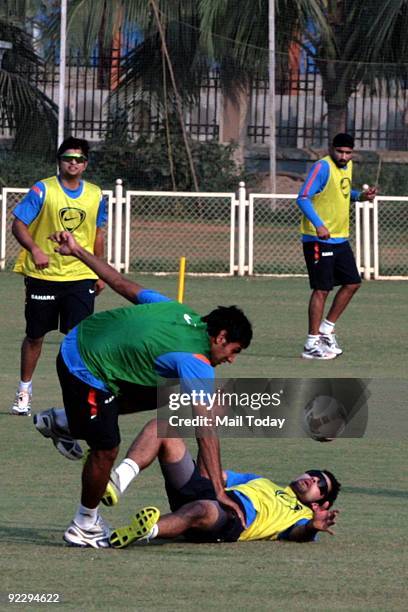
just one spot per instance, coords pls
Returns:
(80, 159)
(322, 482)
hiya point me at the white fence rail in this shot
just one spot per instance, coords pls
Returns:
(225, 234)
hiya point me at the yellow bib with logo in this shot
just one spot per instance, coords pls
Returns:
(60, 212)
(333, 203)
(277, 509)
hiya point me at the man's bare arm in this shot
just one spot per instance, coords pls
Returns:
(68, 246)
(323, 519)
(209, 462)
(23, 236)
(99, 249)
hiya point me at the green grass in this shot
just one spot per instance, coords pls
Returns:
(363, 567)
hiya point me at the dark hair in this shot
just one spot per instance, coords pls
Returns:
(73, 143)
(233, 320)
(335, 488)
(343, 140)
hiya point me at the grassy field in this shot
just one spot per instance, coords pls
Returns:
(363, 567)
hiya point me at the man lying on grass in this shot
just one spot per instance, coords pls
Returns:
(296, 512)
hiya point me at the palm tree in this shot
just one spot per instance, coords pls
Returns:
(27, 111)
(347, 36)
(368, 44)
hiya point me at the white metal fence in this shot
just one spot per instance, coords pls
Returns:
(225, 234)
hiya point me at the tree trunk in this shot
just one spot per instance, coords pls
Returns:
(336, 119)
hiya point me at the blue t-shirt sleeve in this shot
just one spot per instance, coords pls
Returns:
(194, 372)
(354, 195)
(284, 535)
(315, 182)
(102, 215)
(30, 206)
(236, 478)
(149, 296)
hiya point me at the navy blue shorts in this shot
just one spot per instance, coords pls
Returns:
(92, 414)
(201, 488)
(56, 305)
(329, 265)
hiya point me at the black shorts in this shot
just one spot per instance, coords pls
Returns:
(201, 488)
(92, 414)
(52, 304)
(330, 264)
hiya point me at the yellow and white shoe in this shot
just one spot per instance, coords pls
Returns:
(141, 529)
(112, 491)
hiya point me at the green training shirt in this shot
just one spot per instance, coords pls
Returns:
(122, 344)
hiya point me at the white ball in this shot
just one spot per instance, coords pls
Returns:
(366, 187)
(324, 418)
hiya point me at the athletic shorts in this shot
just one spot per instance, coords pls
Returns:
(330, 264)
(92, 414)
(201, 488)
(56, 305)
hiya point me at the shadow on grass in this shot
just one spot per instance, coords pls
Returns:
(375, 492)
(53, 538)
(31, 535)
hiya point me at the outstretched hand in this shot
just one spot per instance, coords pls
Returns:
(323, 518)
(66, 241)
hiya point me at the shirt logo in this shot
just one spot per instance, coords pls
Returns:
(288, 500)
(71, 218)
(345, 186)
(189, 320)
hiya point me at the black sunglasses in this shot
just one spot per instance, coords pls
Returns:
(80, 159)
(322, 483)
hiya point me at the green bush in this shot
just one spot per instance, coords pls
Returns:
(143, 164)
(392, 178)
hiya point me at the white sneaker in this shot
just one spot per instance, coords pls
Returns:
(317, 350)
(22, 404)
(45, 422)
(331, 344)
(95, 537)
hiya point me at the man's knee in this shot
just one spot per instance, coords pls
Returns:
(320, 293)
(352, 288)
(204, 513)
(104, 456)
(33, 342)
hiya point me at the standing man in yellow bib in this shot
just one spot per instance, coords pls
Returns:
(324, 200)
(60, 291)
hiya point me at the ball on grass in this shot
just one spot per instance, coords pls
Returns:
(324, 418)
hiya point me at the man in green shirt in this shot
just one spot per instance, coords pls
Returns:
(112, 362)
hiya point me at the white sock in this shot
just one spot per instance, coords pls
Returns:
(86, 517)
(311, 339)
(61, 418)
(326, 327)
(25, 386)
(126, 472)
(154, 533)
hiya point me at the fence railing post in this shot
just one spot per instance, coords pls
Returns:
(3, 227)
(366, 240)
(241, 228)
(117, 258)
(375, 240)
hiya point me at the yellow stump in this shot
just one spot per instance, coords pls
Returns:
(182, 273)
